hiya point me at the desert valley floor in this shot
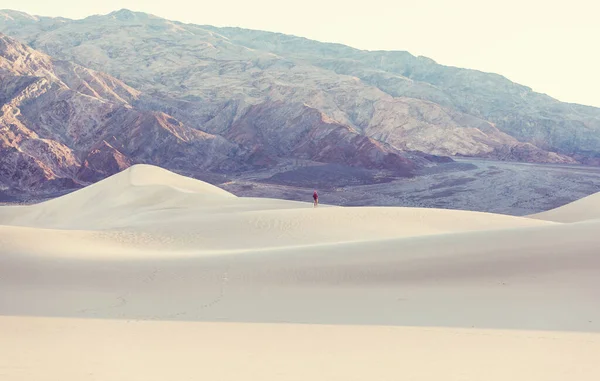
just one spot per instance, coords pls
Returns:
(149, 275)
(466, 184)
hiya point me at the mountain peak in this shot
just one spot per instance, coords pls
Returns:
(123, 14)
(129, 15)
(12, 15)
(11, 49)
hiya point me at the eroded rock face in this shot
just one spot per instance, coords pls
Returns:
(62, 125)
(278, 129)
(103, 161)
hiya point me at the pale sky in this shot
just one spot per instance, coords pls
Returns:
(548, 45)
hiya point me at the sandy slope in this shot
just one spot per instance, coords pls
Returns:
(158, 351)
(150, 245)
(588, 208)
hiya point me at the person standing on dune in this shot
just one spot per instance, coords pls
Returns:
(316, 199)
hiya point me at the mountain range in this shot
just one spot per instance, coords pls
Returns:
(83, 99)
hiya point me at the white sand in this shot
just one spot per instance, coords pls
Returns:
(227, 280)
(67, 349)
(588, 208)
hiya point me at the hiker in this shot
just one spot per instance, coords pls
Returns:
(316, 199)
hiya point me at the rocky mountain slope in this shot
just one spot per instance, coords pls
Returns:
(63, 125)
(515, 109)
(215, 80)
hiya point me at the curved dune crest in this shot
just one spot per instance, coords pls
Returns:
(131, 191)
(587, 208)
(161, 210)
(145, 175)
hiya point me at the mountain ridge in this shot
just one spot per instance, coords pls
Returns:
(266, 96)
(277, 42)
(128, 14)
(247, 55)
(64, 124)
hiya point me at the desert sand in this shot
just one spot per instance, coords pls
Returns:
(149, 275)
(588, 208)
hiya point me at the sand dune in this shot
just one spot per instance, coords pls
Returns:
(214, 273)
(588, 208)
(155, 209)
